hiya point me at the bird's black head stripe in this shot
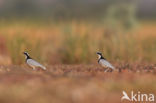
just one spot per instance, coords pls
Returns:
(27, 55)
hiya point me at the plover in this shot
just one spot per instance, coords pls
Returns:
(104, 63)
(32, 63)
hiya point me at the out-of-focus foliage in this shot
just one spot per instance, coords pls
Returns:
(122, 16)
(66, 9)
(77, 42)
(70, 31)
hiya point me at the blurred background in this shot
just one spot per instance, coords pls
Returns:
(72, 31)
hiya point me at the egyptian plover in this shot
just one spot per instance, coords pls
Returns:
(32, 63)
(104, 63)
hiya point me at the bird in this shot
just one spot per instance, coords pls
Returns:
(104, 63)
(32, 63)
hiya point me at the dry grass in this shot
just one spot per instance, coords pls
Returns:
(76, 41)
(74, 83)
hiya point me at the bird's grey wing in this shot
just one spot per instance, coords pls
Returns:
(105, 63)
(35, 63)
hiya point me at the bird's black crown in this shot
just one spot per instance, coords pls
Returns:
(26, 53)
(99, 53)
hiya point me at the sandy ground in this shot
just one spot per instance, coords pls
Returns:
(75, 83)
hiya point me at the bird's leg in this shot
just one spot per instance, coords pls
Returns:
(33, 67)
(106, 69)
(111, 70)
